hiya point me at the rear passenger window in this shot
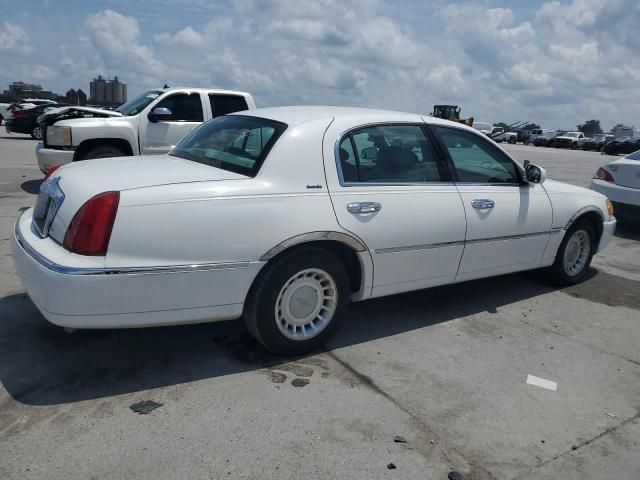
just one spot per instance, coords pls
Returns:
(388, 154)
(223, 104)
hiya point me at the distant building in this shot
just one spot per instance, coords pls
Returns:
(623, 131)
(18, 90)
(107, 92)
(76, 97)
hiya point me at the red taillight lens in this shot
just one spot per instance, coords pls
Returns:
(19, 114)
(602, 174)
(90, 229)
(51, 171)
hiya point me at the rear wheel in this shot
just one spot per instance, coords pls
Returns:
(102, 151)
(574, 255)
(298, 301)
(36, 132)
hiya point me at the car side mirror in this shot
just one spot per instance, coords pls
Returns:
(535, 174)
(159, 114)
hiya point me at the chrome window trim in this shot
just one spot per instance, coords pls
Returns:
(66, 270)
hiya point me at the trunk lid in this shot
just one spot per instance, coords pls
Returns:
(81, 181)
(626, 172)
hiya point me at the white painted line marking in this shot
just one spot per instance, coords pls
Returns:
(541, 382)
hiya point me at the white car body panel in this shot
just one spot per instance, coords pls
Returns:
(190, 239)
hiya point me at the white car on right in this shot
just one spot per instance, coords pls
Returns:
(620, 182)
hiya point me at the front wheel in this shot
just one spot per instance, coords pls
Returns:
(574, 255)
(102, 151)
(298, 301)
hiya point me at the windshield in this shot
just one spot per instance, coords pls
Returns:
(634, 156)
(135, 106)
(235, 142)
(572, 134)
(481, 126)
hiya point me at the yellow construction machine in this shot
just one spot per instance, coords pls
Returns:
(451, 112)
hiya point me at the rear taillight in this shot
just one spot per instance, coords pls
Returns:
(19, 114)
(602, 174)
(51, 171)
(90, 229)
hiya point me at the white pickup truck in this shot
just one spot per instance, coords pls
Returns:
(149, 124)
(571, 140)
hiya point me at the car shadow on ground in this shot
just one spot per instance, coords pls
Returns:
(31, 186)
(629, 230)
(40, 364)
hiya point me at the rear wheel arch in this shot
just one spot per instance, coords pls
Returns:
(117, 143)
(341, 245)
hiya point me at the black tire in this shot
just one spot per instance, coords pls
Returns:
(36, 133)
(557, 272)
(102, 151)
(260, 307)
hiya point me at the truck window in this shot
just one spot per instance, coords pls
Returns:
(184, 107)
(223, 104)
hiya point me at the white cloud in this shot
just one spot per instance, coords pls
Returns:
(14, 38)
(187, 37)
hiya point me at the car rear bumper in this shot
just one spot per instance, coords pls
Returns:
(48, 157)
(617, 193)
(78, 297)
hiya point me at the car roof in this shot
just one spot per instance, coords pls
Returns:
(295, 115)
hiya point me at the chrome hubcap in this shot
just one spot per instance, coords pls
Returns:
(306, 304)
(576, 253)
(37, 132)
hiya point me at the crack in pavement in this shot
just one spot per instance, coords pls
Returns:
(577, 447)
(478, 471)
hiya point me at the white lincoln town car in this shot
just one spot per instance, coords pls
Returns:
(283, 216)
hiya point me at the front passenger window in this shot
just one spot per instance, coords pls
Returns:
(184, 107)
(475, 159)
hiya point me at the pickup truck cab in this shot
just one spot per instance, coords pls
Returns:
(150, 124)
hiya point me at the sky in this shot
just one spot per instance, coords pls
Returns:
(555, 63)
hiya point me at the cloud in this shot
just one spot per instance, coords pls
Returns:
(187, 37)
(116, 38)
(14, 38)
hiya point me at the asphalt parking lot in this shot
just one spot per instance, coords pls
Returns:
(444, 368)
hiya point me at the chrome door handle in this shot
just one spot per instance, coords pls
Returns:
(364, 207)
(482, 203)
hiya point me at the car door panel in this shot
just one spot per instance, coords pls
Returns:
(508, 220)
(160, 137)
(416, 237)
(510, 236)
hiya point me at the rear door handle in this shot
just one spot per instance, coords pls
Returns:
(482, 203)
(364, 207)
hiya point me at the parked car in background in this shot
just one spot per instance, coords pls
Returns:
(571, 140)
(26, 121)
(597, 142)
(546, 140)
(620, 182)
(622, 146)
(482, 127)
(518, 135)
(5, 112)
(272, 216)
(497, 134)
(150, 124)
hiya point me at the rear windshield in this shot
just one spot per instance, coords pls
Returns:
(235, 142)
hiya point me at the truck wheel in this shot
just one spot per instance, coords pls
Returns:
(573, 146)
(102, 151)
(36, 132)
(298, 301)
